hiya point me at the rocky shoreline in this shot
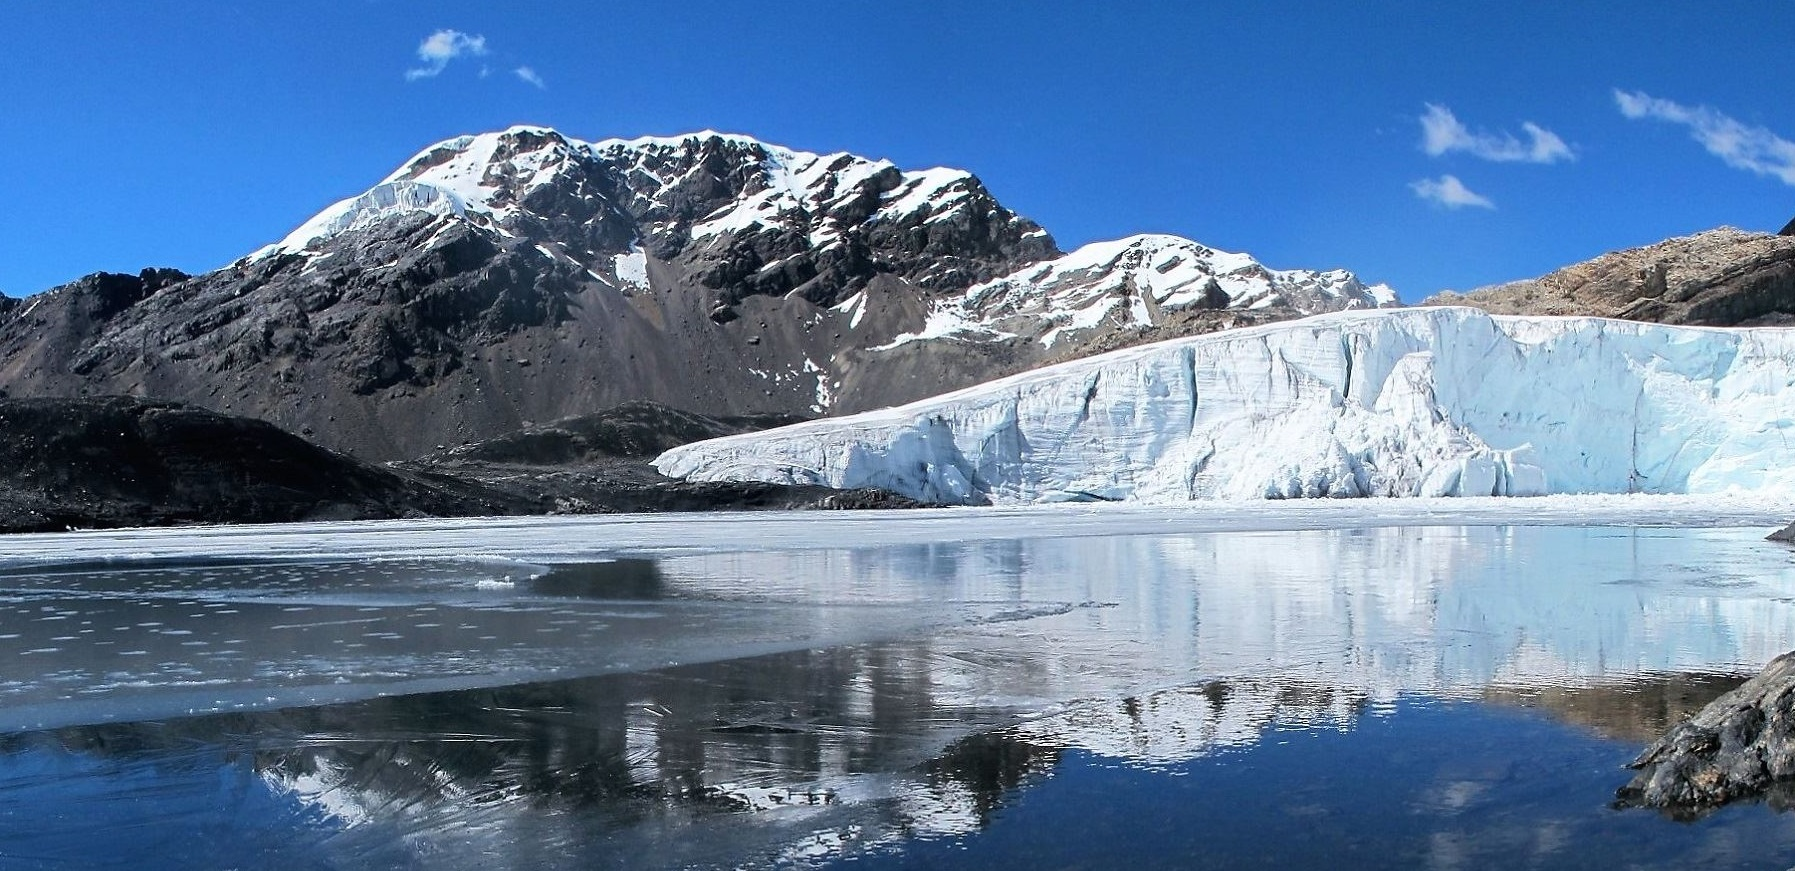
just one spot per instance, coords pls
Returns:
(1740, 747)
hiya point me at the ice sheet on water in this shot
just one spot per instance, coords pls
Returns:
(561, 538)
(94, 640)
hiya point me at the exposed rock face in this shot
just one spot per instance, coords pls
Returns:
(1741, 746)
(497, 280)
(1723, 277)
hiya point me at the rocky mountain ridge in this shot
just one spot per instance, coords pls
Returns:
(1723, 277)
(498, 280)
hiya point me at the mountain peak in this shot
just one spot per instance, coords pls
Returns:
(769, 217)
(522, 274)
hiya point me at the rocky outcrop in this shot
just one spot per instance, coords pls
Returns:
(1724, 277)
(1741, 746)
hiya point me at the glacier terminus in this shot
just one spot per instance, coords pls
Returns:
(1431, 401)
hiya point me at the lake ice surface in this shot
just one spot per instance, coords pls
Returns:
(917, 688)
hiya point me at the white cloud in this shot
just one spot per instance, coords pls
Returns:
(1739, 145)
(529, 75)
(1442, 132)
(443, 46)
(1448, 191)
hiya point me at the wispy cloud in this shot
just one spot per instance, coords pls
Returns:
(443, 46)
(1448, 191)
(1739, 145)
(1442, 133)
(529, 75)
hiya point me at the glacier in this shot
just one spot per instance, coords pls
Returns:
(379, 203)
(1441, 401)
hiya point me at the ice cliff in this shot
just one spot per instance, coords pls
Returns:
(1430, 402)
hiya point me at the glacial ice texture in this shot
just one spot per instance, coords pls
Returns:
(1414, 402)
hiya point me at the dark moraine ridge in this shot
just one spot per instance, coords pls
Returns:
(601, 462)
(122, 461)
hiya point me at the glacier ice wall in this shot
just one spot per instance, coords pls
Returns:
(1426, 401)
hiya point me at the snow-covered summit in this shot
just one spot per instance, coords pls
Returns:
(705, 184)
(753, 218)
(1432, 401)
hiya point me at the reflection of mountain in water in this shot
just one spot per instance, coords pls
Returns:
(1636, 710)
(763, 751)
(802, 755)
(1184, 723)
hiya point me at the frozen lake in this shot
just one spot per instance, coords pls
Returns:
(1451, 683)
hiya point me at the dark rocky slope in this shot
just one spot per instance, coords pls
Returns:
(601, 463)
(120, 461)
(587, 276)
(128, 462)
(1723, 278)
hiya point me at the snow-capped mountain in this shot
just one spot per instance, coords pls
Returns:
(1426, 401)
(772, 217)
(517, 276)
(1136, 283)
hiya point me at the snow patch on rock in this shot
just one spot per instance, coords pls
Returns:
(632, 268)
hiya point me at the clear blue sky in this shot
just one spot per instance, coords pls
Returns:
(189, 133)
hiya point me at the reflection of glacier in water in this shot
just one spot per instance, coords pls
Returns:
(1444, 611)
(811, 704)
